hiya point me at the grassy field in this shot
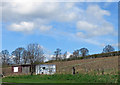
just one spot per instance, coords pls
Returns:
(62, 78)
(89, 71)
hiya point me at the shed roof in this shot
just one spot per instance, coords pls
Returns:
(22, 65)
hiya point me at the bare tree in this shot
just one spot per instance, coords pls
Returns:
(65, 55)
(25, 57)
(84, 52)
(0, 59)
(76, 53)
(18, 55)
(35, 54)
(5, 57)
(108, 48)
(58, 54)
(15, 59)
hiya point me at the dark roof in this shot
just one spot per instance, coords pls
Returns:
(22, 65)
(30, 64)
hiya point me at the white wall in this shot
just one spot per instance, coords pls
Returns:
(49, 69)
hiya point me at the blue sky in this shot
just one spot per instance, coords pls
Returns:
(68, 26)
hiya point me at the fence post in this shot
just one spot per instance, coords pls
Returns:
(73, 69)
(102, 71)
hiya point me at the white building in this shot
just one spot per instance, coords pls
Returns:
(45, 69)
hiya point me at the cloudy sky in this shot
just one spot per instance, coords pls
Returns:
(65, 25)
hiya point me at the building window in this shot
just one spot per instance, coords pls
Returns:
(15, 69)
(43, 67)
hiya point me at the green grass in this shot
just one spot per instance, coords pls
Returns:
(62, 78)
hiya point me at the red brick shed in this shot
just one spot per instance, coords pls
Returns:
(17, 69)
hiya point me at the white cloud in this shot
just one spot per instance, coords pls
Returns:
(28, 27)
(90, 20)
(45, 28)
(68, 54)
(22, 27)
(62, 0)
(41, 14)
(81, 34)
(83, 25)
(30, 16)
(42, 10)
(97, 12)
(116, 45)
(94, 24)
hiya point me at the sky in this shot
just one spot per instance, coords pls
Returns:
(65, 25)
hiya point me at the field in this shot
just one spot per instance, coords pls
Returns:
(62, 78)
(98, 70)
(92, 66)
(97, 65)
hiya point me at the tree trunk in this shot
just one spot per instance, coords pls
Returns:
(31, 69)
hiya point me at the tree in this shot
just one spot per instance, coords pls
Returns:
(18, 55)
(65, 55)
(15, 59)
(57, 54)
(35, 54)
(108, 48)
(76, 53)
(25, 57)
(84, 52)
(0, 59)
(70, 57)
(5, 57)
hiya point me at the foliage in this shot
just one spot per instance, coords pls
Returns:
(25, 57)
(57, 54)
(17, 53)
(84, 52)
(35, 54)
(65, 56)
(75, 54)
(5, 57)
(108, 48)
(115, 53)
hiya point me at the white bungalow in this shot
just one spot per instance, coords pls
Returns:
(45, 69)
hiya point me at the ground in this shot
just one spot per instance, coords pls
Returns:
(108, 64)
(98, 70)
(62, 78)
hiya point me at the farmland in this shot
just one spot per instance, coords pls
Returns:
(107, 64)
(97, 70)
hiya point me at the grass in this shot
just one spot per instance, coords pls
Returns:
(62, 78)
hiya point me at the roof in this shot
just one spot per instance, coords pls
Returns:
(22, 65)
(34, 64)
(47, 64)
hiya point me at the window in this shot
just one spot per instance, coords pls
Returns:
(43, 67)
(15, 69)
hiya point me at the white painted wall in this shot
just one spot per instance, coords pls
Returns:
(49, 69)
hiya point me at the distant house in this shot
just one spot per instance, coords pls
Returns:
(45, 69)
(24, 69)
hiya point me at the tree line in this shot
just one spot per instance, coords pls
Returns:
(34, 54)
(83, 53)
